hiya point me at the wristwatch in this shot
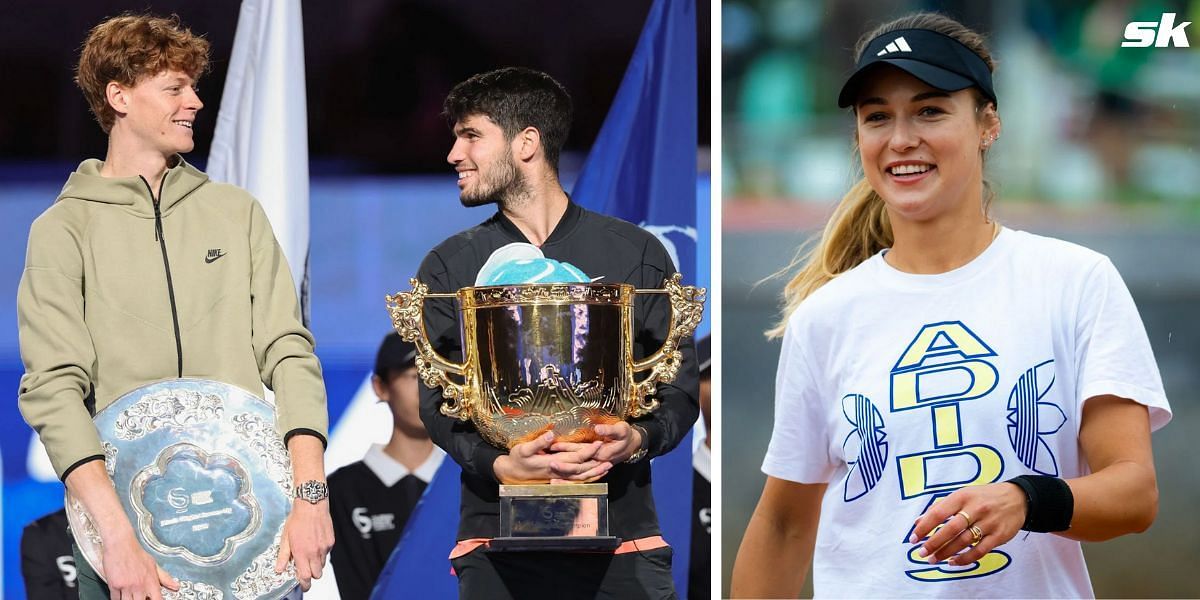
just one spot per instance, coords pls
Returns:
(312, 491)
(641, 451)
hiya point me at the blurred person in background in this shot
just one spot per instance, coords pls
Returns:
(47, 563)
(945, 382)
(124, 285)
(372, 499)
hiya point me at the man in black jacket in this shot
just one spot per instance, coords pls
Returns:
(509, 127)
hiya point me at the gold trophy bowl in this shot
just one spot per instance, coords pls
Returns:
(547, 357)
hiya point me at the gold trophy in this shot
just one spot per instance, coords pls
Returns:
(548, 357)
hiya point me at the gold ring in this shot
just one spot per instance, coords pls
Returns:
(976, 534)
(966, 517)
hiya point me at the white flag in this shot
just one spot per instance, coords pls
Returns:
(261, 142)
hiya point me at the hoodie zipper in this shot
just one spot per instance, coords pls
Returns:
(162, 243)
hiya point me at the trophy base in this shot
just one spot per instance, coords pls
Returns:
(570, 517)
(554, 544)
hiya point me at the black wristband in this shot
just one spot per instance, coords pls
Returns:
(1049, 504)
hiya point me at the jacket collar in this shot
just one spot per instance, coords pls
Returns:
(86, 183)
(564, 227)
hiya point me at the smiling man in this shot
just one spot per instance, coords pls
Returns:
(144, 270)
(509, 127)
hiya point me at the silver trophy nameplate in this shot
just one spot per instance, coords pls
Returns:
(206, 481)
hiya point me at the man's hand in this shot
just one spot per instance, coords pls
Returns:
(621, 442)
(307, 538)
(131, 573)
(531, 463)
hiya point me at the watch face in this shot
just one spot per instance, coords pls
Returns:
(312, 491)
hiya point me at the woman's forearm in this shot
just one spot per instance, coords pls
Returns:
(777, 549)
(770, 563)
(1122, 498)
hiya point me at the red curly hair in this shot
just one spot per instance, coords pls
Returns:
(132, 47)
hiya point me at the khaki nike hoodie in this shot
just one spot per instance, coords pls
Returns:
(119, 292)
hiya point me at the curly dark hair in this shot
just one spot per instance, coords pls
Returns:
(516, 98)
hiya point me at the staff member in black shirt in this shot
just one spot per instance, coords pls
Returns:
(509, 126)
(371, 500)
(47, 563)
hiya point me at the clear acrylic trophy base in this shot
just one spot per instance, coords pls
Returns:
(554, 518)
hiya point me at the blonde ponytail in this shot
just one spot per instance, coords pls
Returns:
(858, 229)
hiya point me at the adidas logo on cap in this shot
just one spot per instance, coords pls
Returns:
(897, 45)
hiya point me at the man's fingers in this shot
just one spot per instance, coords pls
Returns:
(165, 580)
(285, 552)
(567, 469)
(594, 473)
(584, 472)
(572, 470)
(304, 574)
(534, 446)
(615, 431)
(610, 450)
(153, 592)
(582, 455)
(568, 446)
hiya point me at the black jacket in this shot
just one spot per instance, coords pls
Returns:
(598, 245)
(46, 559)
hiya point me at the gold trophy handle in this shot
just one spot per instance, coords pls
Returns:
(408, 317)
(687, 308)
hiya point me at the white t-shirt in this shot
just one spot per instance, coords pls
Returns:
(897, 389)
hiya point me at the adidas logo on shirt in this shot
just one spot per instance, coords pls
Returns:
(897, 45)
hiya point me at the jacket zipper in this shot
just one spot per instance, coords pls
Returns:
(162, 243)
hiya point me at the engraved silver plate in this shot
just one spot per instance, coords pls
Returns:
(206, 482)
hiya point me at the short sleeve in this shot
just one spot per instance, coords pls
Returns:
(1113, 348)
(801, 440)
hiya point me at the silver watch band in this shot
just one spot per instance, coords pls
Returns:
(312, 491)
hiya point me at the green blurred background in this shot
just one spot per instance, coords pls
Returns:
(1099, 147)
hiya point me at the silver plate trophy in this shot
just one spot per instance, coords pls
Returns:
(205, 480)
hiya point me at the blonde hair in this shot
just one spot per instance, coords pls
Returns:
(859, 227)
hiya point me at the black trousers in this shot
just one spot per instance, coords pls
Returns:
(565, 575)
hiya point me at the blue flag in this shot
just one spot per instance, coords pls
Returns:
(642, 169)
(419, 567)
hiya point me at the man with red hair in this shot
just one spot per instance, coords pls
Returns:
(142, 270)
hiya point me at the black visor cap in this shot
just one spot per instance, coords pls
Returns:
(938, 60)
